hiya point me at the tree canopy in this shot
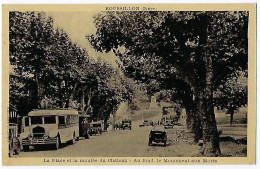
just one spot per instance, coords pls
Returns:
(52, 71)
(193, 52)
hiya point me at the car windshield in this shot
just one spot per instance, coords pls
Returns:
(96, 125)
(36, 120)
(158, 132)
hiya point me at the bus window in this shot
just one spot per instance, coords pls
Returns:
(26, 121)
(36, 120)
(61, 120)
(49, 120)
(68, 119)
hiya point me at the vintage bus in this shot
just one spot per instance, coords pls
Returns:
(84, 126)
(45, 127)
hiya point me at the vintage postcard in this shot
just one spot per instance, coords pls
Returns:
(139, 84)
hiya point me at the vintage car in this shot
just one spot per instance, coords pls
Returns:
(168, 123)
(146, 123)
(126, 124)
(96, 128)
(168, 126)
(14, 141)
(157, 136)
(84, 126)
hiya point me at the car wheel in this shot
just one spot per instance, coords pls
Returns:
(10, 153)
(149, 142)
(17, 151)
(86, 136)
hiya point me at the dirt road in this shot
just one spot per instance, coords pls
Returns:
(119, 143)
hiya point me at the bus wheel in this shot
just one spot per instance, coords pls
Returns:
(73, 139)
(25, 148)
(57, 144)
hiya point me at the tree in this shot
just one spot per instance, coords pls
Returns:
(233, 94)
(49, 67)
(30, 37)
(193, 52)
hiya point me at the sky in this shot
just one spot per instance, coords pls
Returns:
(77, 25)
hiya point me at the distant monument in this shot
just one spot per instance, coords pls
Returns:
(153, 103)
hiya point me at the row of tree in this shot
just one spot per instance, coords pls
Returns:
(50, 71)
(194, 54)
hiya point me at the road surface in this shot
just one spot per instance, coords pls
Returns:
(121, 143)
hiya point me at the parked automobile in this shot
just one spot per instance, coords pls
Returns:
(169, 123)
(14, 140)
(96, 128)
(168, 126)
(157, 136)
(127, 124)
(146, 123)
(84, 126)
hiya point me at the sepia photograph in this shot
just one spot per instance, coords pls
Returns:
(128, 83)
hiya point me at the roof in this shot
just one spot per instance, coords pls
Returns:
(84, 115)
(52, 112)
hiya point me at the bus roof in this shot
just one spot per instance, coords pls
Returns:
(84, 115)
(52, 112)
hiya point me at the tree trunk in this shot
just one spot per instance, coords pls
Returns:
(188, 118)
(89, 99)
(82, 102)
(231, 116)
(193, 119)
(70, 99)
(196, 125)
(105, 124)
(39, 90)
(210, 132)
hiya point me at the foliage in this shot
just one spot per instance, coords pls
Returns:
(49, 68)
(193, 52)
